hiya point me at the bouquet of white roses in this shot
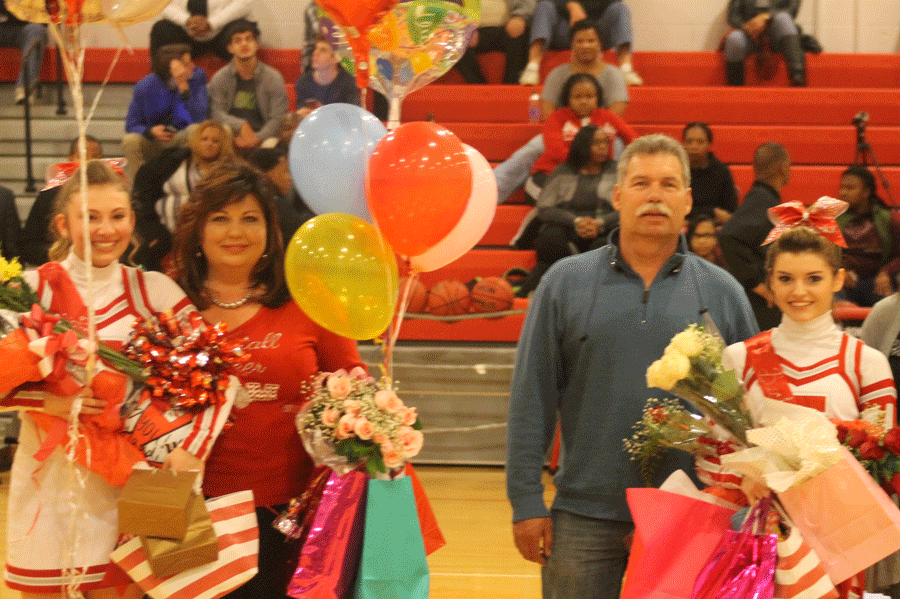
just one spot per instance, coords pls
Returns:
(352, 420)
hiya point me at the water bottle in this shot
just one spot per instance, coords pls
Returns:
(534, 108)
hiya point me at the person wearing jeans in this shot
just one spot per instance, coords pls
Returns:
(596, 322)
(16, 33)
(551, 26)
(754, 25)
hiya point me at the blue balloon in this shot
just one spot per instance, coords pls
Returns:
(328, 157)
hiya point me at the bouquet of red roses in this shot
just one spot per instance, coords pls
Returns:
(877, 449)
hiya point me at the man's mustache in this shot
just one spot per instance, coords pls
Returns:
(657, 207)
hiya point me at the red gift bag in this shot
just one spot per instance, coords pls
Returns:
(674, 537)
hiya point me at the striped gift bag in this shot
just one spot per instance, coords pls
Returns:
(799, 573)
(234, 520)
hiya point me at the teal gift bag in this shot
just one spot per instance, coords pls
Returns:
(393, 555)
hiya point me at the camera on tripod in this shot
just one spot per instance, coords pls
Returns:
(861, 119)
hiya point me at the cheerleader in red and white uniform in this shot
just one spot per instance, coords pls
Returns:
(807, 360)
(41, 511)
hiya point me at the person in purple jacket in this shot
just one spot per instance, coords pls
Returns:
(164, 105)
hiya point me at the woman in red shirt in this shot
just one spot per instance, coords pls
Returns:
(581, 97)
(230, 262)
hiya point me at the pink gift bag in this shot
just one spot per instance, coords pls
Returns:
(845, 517)
(674, 537)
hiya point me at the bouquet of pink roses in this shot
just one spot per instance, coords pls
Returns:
(353, 420)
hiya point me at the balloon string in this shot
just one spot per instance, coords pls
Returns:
(72, 53)
(398, 320)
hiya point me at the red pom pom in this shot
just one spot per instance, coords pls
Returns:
(448, 298)
(418, 296)
(492, 294)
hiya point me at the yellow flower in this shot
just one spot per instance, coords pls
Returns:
(687, 343)
(668, 370)
(9, 270)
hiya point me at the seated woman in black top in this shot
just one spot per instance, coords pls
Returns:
(574, 207)
(712, 185)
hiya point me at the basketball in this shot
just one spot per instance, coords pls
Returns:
(492, 294)
(418, 296)
(448, 298)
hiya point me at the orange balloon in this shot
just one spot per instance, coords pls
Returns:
(417, 186)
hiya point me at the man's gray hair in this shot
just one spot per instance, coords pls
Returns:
(654, 144)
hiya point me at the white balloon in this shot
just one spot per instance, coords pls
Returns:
(129, 12)
(473, 224)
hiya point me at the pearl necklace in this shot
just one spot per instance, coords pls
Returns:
(232, 305)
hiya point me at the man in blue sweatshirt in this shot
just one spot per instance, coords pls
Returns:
(595, 324)
(164, 105)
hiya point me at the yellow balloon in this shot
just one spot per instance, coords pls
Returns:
(343, 274)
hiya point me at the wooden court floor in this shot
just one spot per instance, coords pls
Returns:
(479, 560)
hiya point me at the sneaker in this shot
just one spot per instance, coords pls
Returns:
(531, 74)
(19, 95)
(631, 77)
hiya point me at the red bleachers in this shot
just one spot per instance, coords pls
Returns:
(814, 123)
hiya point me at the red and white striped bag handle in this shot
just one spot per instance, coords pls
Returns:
(234, 521)
(799, 573)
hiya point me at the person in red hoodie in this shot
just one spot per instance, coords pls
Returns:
(581, 99)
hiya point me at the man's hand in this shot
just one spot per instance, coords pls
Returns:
(160, 133)
(762, 290)
(755, 26)
(587, 227)
(534, 539)
(57, 405)
(182, 460)
(883, 284)
(850, 279)
(197, 26)
(576, 12)
(515, 27)
(473, 41)
(246, 138)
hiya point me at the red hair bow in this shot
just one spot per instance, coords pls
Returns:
(820, 217)
(59, 173)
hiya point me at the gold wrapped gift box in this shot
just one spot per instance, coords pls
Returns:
(200, 545)
(157, 503)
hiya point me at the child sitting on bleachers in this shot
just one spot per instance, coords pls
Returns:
(581, 97)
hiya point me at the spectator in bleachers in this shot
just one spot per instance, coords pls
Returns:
(10, 226)
(164, 184)
(574, 210)
(871, 260)
(292, 210)
(586, 58)
(16, 33)
(579, 100)
(314, 31)
(756, 23)
(553, 20)
(246, 94)
(164, 105)
(503, 26)
(712, 185)
(36, 235)
(325, 83)
(701, 238)
(201, 24)
(741, 237)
